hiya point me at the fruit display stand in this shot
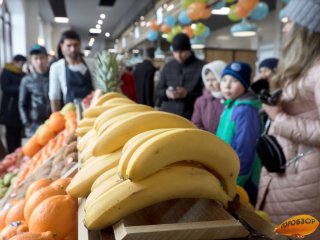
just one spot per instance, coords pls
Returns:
(179, 219)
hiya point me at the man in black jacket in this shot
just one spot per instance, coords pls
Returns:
(34, 104)
(9, 115)
(144, 79)
(180, 80)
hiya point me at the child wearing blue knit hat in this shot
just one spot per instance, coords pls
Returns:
(240, 124)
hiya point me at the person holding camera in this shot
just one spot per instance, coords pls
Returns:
(208, 107)
(240, 124)
(296, 119)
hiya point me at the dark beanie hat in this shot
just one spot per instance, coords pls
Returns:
(181, 42)
(239, 70)
(270, 63)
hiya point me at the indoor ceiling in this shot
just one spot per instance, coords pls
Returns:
(84, 14)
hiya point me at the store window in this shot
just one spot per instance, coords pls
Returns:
(5, 34)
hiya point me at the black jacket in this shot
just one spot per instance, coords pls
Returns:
(144, 81)
(10, 81)
(34, 104)
(187, 75)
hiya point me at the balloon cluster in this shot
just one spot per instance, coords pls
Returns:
(193, 10)
(253, 9)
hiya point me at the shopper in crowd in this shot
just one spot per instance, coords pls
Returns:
(267, 69)
(144, 78)
(208, 107)
(180, 81)
(34, 103)
(127, 83)
(296, 120)
(240, 124)
(70, 75)
(9, 115)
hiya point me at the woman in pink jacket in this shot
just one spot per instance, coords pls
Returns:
(208, 107)
(296, 120)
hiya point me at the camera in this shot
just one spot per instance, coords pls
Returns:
(262, 90)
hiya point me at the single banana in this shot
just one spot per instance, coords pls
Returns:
(118, 101)
(82, 131)
(86, 139)
(92, 160)
(171, 182)
(103, 177)
(88, 150)
(131, 146)
(113, 120)
(117, 110)
(107, 96)
(119, 133)
(101, 189)
(86, 122)
(80, 185)
(186, 144)
(94, 112)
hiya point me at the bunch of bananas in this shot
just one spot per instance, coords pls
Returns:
(133, 156)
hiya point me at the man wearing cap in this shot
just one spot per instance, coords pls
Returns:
(69, 76)
(34, 104)
(180, 80)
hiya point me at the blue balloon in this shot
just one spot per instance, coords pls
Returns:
(152, 35)
(198, 40)
(184, 18)
(218, 5)
(260, 11)
(170, 21)
(282, 14)
(206, 32)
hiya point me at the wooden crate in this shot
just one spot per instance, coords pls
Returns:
(183, 219)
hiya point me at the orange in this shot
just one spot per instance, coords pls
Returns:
(31, 147)
(37, 197)
(57, 214)
(3, 214)
(15, 213)
(56, 122)
(62, 182)
(13, 229)
(43, 182)
(45, 134)
(34, 236)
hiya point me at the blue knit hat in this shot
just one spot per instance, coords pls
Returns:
(239, 70)
(270, 63)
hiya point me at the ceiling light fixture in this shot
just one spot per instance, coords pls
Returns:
(171, 6)
(94, 30)
(142, 23)
(102, 16)
(142, 18)
(107, 34)
(221, 11)
(244, 29)
(98, 26)
(165, 5)
(164, 35)
(148, 24)
(112, 50)
(61, 19)
(100, 21)
(86, 53)
(91, 42)
(135, 51)
(193, 25)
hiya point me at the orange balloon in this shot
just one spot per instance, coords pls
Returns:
(206, 13)
(248, 5)
(195, 10)
(154, 25)
(241, 12)
(165, 29)
(188, 30)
